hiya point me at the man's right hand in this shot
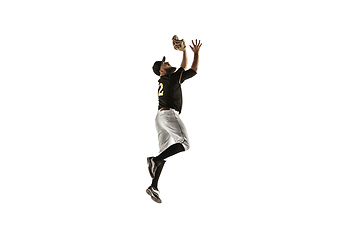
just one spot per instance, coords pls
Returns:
(196, 46)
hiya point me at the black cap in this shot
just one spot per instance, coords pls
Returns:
(157, 65)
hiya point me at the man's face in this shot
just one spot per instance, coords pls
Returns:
(167, 68)
(165, 65)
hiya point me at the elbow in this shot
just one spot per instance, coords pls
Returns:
(195, 69)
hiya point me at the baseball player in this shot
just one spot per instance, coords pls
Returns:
(168, 122)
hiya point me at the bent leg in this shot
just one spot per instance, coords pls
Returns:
(163, 135)
(157, 174)
(172, 150)
(164, 140)
(177, 130)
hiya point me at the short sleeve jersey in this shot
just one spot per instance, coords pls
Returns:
(169, 90)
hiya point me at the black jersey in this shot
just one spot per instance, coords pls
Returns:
(169, 90)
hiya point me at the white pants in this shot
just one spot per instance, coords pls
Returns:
(168, 124)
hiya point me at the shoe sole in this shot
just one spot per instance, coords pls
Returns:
(152, 175)
(158, 200)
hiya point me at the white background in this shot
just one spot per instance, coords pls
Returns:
(273, 119)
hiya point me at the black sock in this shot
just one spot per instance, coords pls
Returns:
(157, 174)
(172, 150)
(159, 160)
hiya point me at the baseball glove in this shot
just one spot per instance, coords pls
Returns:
(178, 44)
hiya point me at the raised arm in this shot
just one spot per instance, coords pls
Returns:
(184, 60)
(196, 48)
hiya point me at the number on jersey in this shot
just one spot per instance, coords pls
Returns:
(161, 92)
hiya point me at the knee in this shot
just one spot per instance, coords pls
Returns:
(186, 145)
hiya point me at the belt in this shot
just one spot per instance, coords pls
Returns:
(164, 108)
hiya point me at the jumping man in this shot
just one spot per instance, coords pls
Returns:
(168, 122)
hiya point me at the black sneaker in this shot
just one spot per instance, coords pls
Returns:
(154, 194)
(152, 166)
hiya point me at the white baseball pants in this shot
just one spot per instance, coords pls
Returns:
(168, 124)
